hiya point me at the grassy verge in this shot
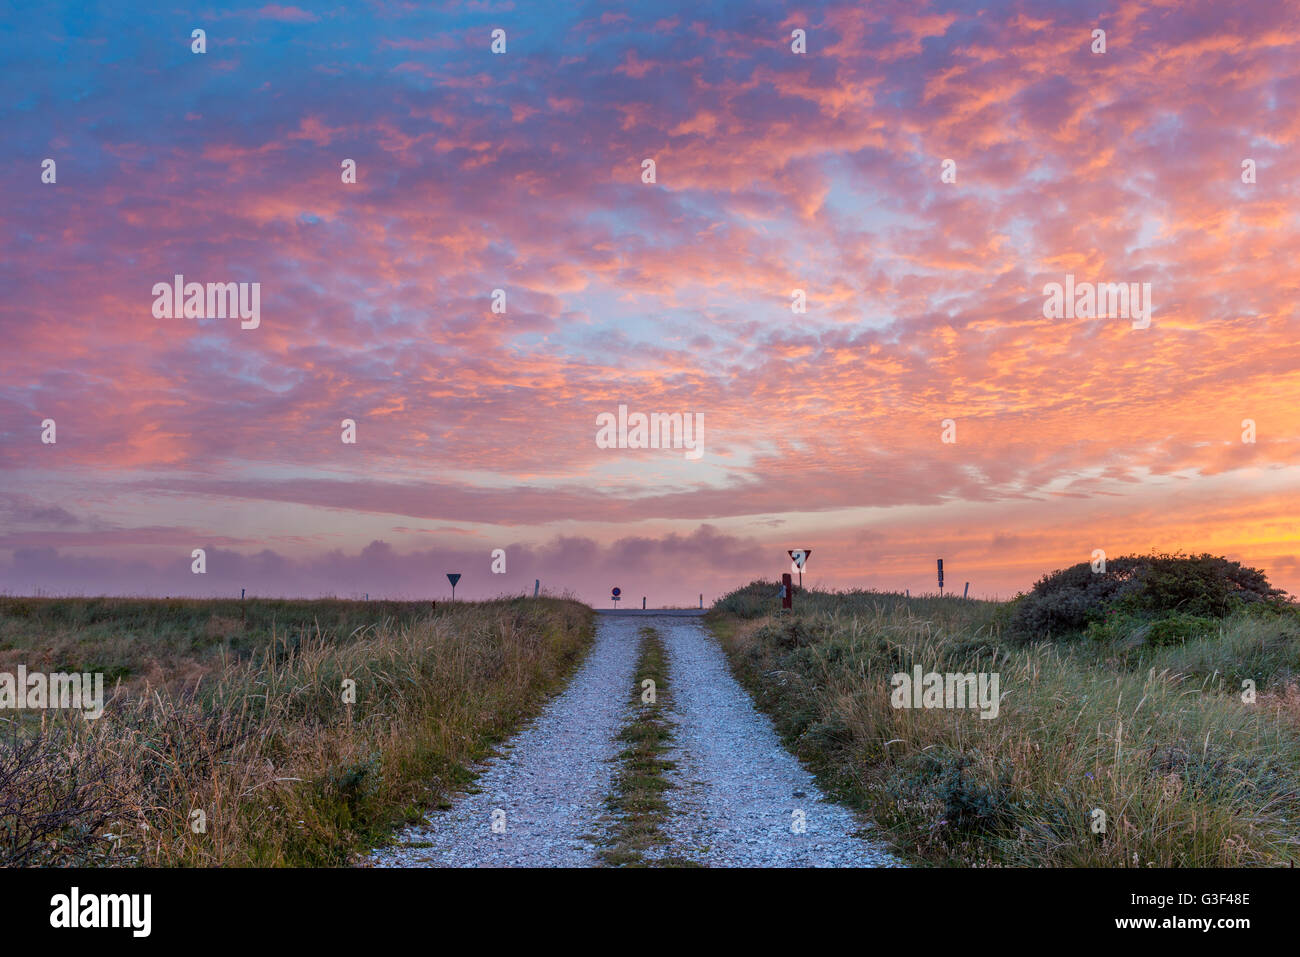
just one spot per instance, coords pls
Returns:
(296, 745)
(172, 642)
(1158, 739)
(638, 799)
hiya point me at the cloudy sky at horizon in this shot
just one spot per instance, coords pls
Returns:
(522, 171)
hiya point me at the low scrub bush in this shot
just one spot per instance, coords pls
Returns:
(1149, 587)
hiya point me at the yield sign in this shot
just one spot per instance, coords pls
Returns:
(453, 577)
(800, 556)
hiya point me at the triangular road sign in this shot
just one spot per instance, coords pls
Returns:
(453, 577)
(800, 556)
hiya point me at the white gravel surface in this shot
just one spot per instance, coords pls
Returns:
(736, 788)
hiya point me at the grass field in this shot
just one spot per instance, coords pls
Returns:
(288, 733)
(1157, 738)
(262, 733)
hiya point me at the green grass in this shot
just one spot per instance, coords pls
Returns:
(1155, 736)
(247, 723)
(172, 641)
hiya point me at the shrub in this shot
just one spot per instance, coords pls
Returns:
(1114, 626)
(970, 805)
(1176, 629)
(1149, 587)
(56, 797)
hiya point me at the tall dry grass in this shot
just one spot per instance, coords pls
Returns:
(263, 763)
(1186, 773)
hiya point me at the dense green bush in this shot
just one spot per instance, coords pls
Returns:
(1178, 628)
(1114, 627)
(1130, 630)
(1146, 587)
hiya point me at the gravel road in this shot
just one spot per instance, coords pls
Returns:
(737, 789)
(740, 796)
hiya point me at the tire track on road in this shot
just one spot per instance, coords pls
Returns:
(551, 781)
(739, 796)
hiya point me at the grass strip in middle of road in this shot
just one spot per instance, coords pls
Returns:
(638, 797)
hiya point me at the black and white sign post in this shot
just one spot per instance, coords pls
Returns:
(941, 576)
(799, 556)
(453, 577)
(616, 594)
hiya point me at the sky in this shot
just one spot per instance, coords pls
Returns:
(922, 171)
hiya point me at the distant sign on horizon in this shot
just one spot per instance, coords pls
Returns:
(453, 577)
